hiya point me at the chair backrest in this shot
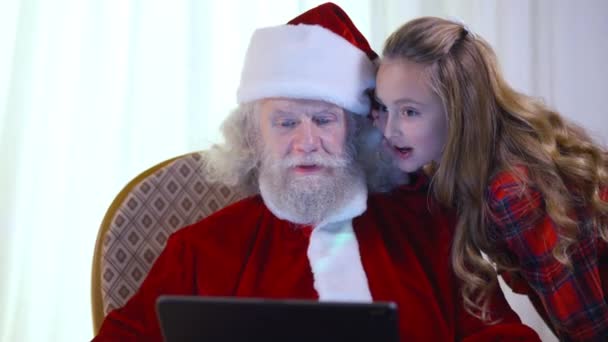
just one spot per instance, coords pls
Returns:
(135, 229)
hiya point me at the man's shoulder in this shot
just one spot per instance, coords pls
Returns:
(402, 199)
(411, 211)
(235, 219)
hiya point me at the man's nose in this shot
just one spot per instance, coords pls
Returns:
(306, 139)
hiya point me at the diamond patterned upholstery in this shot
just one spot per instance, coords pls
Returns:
(166, 197)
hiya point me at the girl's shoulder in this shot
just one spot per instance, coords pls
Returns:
(509, 183)
(511, 196)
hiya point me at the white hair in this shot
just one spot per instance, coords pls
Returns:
(236, 162)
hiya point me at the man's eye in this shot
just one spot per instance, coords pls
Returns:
(287, 123)
(322, 120)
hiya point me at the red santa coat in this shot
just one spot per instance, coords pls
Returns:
(399, 252)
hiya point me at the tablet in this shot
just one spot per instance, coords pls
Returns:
(195, 318)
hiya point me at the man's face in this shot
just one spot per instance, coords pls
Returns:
(307, 169)
(302, 131)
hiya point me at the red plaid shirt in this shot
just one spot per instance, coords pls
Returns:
(573, 298)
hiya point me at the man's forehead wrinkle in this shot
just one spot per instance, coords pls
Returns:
(307, 107)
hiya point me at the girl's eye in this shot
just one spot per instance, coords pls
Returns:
(409, 112)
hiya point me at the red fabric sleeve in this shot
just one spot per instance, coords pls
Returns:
(172, 273)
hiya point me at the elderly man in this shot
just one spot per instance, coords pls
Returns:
(312, 232)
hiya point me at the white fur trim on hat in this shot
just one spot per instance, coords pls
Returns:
(306, 62)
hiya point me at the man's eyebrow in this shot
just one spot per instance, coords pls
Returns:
(321, 108)
(311, 111)
(328, 110)
(282, 111)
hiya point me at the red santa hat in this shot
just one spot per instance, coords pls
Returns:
(319, 55)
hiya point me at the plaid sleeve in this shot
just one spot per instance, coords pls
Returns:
(572, 296)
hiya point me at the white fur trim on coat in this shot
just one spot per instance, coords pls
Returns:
(333, 253)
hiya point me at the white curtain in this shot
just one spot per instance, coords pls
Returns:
(92, 92)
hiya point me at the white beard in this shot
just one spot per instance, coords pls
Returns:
(309, 199)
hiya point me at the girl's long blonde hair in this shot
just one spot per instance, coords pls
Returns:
(492, 128)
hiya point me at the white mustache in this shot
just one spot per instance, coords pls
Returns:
(323, 161)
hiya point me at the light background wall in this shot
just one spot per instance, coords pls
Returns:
(92, 92)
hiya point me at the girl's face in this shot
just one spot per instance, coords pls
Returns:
(410, 114)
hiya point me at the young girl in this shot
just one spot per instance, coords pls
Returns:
(530, 188)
